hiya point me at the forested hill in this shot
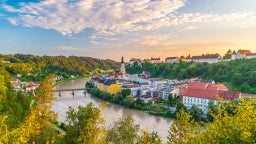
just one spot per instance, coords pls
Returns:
(238, 75)
(42, 66)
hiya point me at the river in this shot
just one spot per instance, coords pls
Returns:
(112, 112)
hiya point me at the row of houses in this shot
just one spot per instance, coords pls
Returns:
(192, 91)
(201, 93)
(27, 87)
(208, 58)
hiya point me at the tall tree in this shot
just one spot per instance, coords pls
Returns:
(182, 129)
(85, 125)
(123, 131)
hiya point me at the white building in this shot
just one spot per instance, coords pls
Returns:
(200, 94)
(172, 60)
(243, 54)
(208, 58)
(165, 92)
(133, 60)
(155, 60)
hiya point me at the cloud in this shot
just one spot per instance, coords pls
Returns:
(108, 18)
(69, 48)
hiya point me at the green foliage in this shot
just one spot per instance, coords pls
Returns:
(36, 68)
(126, 92)
(228, 54)
(85, 125)
(234, 73)
(149, 138)
(196, 113)
(123, 131)
(182, 129)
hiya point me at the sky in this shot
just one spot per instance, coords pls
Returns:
(108, 29)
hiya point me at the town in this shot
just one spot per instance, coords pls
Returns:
(208, 58)
(193, 91)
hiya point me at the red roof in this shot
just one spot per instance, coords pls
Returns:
(198, 85)
(208, 91)
(155, 58)
(211, 94)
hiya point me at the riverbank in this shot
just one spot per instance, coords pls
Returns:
(127, 101)
(113, 112)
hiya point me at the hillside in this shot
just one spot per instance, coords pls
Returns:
(38, 67)
(237, 75)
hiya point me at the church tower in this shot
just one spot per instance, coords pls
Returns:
(122, 69)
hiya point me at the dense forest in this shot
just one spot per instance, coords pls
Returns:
(238, 75)
(37, 68)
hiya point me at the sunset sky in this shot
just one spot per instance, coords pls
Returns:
(109, 29)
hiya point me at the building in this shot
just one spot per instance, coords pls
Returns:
(110, 86)
(208, 58)
(122, 69)
(100, 84)
(172, 60)
(201, 93)
(155, 60)
(165, 92)
(242, 54)
(133, 60)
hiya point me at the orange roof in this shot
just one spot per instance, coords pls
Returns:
(198, 85)
(245, 52)
(220, 86)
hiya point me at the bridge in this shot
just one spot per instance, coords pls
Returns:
(70, 89)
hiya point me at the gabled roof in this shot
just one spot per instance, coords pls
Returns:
(244, 52)
(152, 58)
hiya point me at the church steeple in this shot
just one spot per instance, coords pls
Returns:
(122, 69)
(122, 59)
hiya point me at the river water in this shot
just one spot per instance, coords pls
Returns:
(112, 112)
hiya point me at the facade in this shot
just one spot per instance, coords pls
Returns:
(113, 88)
(243, 54)
(100, 85)
(208, 58)
(133, 60)
(165, 92)
(172, 60)
(201, 93)
(155, 60)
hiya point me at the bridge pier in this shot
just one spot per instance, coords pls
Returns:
(84, 93)
(73, 93)
(60, 95)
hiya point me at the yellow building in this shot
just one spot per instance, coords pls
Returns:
(111, 87)
(100, 85)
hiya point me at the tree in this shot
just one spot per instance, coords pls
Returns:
(212, 110)
(149, 138)
(85, 125)
(180, 106)
(196, 113)
(35, 125)
(226, 128)
(228, 54)
(182, 129)
(128, 101)
(125, 92)
(123, 131)
(237, 79)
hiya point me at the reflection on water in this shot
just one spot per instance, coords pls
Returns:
(112, 112)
